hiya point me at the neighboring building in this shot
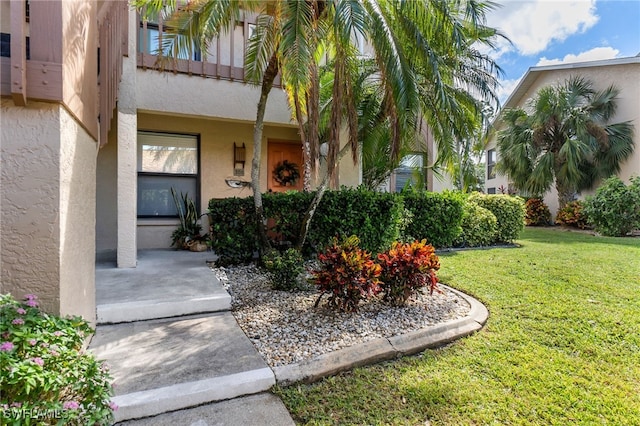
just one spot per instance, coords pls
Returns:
(93, 138)
(624, 73)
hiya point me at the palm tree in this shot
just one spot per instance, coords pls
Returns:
(564, 136)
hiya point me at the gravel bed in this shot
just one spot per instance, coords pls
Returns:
(286, 328)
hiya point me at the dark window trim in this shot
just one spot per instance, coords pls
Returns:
(197, 175)
(491, 165)
(5, 46)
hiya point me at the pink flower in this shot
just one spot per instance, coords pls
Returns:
(33, 342)
(17, 321)
(6, 335)
(113, 406)
(16, 404)
(32, 303)
(21, 311)
(38, 360)
(54, 353)
(30, 296)
(6, 346)
(71, 405)
(57, 333)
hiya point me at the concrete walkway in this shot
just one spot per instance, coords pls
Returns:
(167, 333)
(178, 356)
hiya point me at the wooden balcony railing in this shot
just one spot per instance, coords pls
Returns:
(113, 45)
(57, 61)
(224, 60)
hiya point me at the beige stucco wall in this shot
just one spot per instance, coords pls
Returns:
(107, 197)
(77, 218)
(30, 209)
(197, 96)
(48, 207)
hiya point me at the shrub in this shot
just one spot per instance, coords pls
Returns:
(571, 215)
(375, 217)
(45, 371)
(479, 226)
(508, 210)
(348, 274)
(437, 217)
(536, 213)
(407, 267)
(285, 270)
(614, 210)
(233, 230)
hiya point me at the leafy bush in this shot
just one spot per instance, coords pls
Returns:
(536, 213)
(614, 210)
(285, 270)
(571, 215)
(378, 219)
(233, 230)
(348, 274)
(285, 211)
(437, 217)
(479, 226)
(375, 217)
(46, 372)
(407, 267)
(508, 210)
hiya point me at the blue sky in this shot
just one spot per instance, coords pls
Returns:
(547, 32)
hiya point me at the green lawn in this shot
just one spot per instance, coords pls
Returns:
(562, 345)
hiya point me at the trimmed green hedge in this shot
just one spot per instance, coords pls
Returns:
(479, 226)
(377, 218)
(233, 229)
(508, 210)
(435, 216)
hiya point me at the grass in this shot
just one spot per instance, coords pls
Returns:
(562, 345)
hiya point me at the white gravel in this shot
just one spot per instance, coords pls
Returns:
(286, 328)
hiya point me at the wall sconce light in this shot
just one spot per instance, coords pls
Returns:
(238, 159)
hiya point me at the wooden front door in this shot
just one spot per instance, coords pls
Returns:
(277, 153)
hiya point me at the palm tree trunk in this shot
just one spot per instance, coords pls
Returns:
(566, 194)
(267, 83)
(322, 188)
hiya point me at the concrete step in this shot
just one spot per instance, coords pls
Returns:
(165, 283)
(170, 364)
(264, 409)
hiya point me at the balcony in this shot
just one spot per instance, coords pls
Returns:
(224, 59)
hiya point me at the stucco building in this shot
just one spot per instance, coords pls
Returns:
(623, 73)
(94, 135)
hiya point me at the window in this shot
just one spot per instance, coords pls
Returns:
(491, 164)
(491, 190)
(153, 43)
(410, 172)
(166, 161)
(5, 46)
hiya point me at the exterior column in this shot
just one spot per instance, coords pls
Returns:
(127, 155)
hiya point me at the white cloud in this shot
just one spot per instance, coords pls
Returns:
(507, 87)
(596, 54)
(532, 25)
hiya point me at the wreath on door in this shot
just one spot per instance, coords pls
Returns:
(286, 173)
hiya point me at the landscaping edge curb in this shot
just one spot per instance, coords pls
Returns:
(382, 349)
